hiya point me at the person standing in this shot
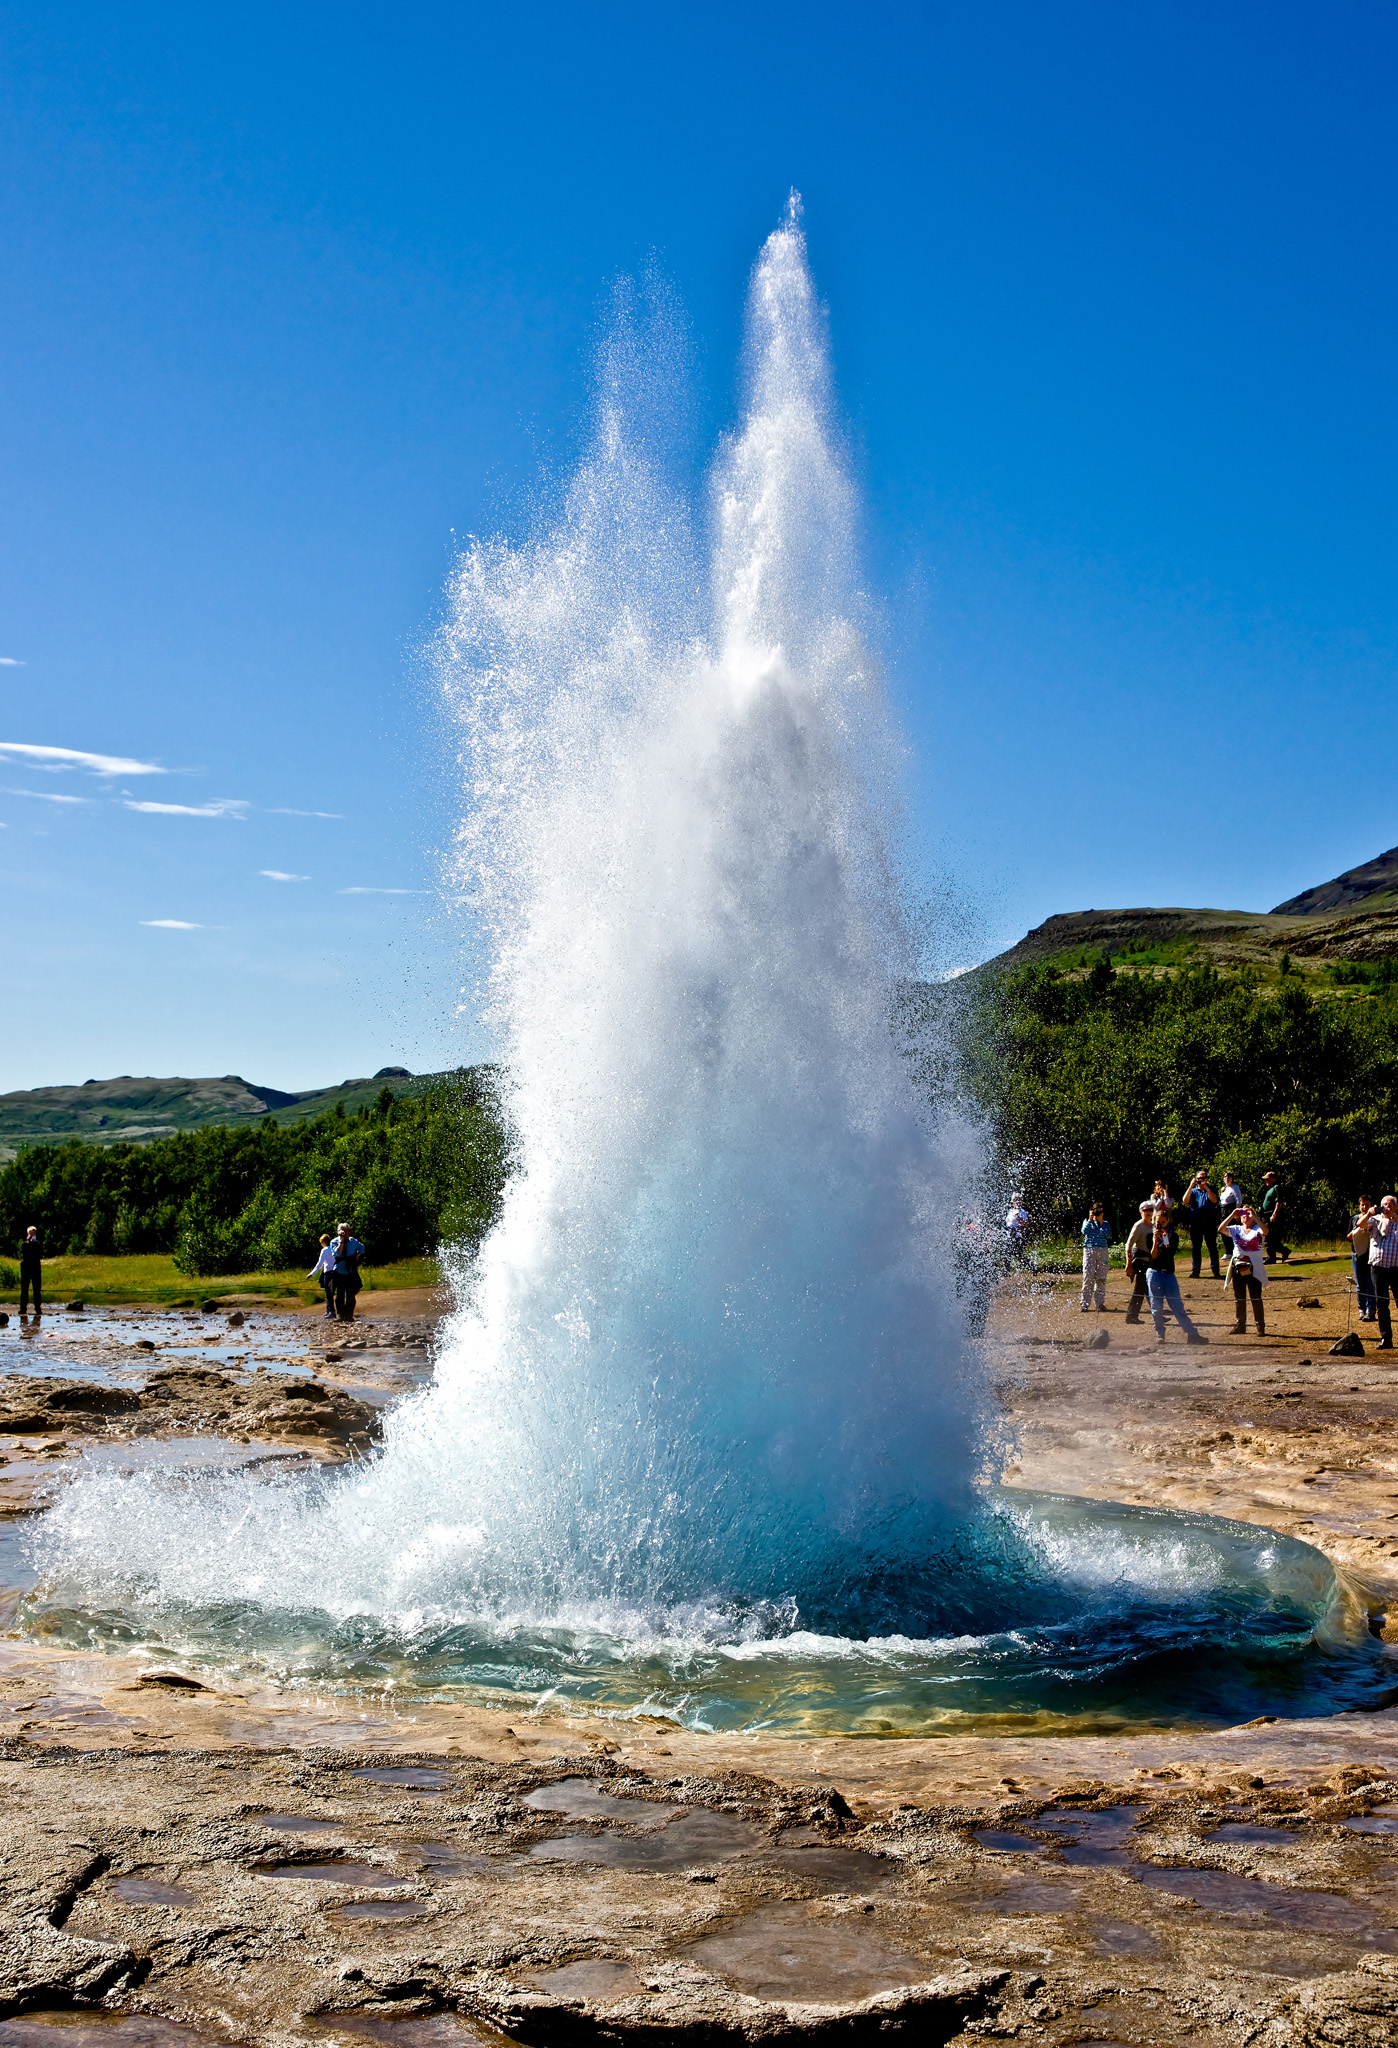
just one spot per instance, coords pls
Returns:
(1096, 1256)
(1247, 1268)
(1383, 1265)
(1359, 1247)
(1161, 1284)
(347, 1252)
(1272, 1216)
(1162, 1198)
(1016, 1228)
(323, 1271)
(1137, 1254)
(31, 1254)
(1230, 1195)
(1201, 1210)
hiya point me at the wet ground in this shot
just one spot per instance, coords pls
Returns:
(132, 1387)
(234, 1862)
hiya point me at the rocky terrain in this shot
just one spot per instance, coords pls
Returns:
(192, 1858)
(127, 1377)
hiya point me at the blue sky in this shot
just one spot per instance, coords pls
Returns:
(294, 295)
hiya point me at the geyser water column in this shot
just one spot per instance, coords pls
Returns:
(705, 1429)
(713, 1327)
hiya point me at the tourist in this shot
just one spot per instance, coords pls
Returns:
(1247, 1268)
(1230, 1195)
(347, 1252)
(1162, 1198)
(1096, 1254)
(1137, 1253)
(324, 1271)
(31, 1271)
(1016, 1225)
(1272, 1216)
(978, 1263)
(1201, 1209)
(1161, 1284)
(1383, 1265)
(1359, 1246)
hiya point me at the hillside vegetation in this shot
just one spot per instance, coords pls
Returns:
(131, 1109)
(1095, 1080)
(407, 1172)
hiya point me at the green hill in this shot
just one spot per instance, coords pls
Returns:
(131, 1110)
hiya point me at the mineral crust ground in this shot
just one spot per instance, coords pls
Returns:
(183, 1861)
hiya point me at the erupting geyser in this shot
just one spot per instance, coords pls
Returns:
(706, 1426)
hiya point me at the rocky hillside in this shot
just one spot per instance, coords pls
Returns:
(1352, 919)
(128, 1109)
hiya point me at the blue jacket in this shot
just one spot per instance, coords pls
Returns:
(1096, 1236)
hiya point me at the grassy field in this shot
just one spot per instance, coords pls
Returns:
(154, 1279)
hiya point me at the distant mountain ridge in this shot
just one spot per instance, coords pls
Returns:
(1377, 877)
(131, 1109)
(1306, 927)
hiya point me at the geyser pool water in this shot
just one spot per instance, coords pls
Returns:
(706, 1434)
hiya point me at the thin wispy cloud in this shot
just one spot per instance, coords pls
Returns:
(276, 875)
(170, 924)
(72, 757)
(9, 661)
(281, 811)
(378, 892)
(46, 796)
(217, 807)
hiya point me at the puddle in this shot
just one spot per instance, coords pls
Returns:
(1121, 1938)
(382, 1909)
(1025, 1895)
(444, 1859)
(1005, 1841)
(839, 1870)
(1374, 1824)
(438, 2030)
(411, 1777)
(595, 1981)
(1220, 1891)
(779, 1953)
(150, 1891)
(298, 1824)
(1248, 1832)
(101, 2030)
(580, 1799)
(333, 1873)
(16, 1572)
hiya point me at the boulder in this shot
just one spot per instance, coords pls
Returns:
(1351, 1345)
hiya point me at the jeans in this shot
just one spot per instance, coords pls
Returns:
(29, 1276)
(1205, 1233)
(327, 1281)
(1164, 1289)
(1387, 1278)
(1094, 1274)
(1363, 1286)
(345, 1291)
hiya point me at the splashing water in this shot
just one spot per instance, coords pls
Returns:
(705, 1428)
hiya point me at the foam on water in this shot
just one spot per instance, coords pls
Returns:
(706, 1427)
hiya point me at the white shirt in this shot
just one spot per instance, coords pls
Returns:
(1252, 1245)
(1016, 1220)
(326, 1262)
(1229, 1196)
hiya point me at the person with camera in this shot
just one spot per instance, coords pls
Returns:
(1138, 1241)
(1201, 1208)
(1383, 1265)
(1359, 1249)
(1161, 1284)
(1247, 1268)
